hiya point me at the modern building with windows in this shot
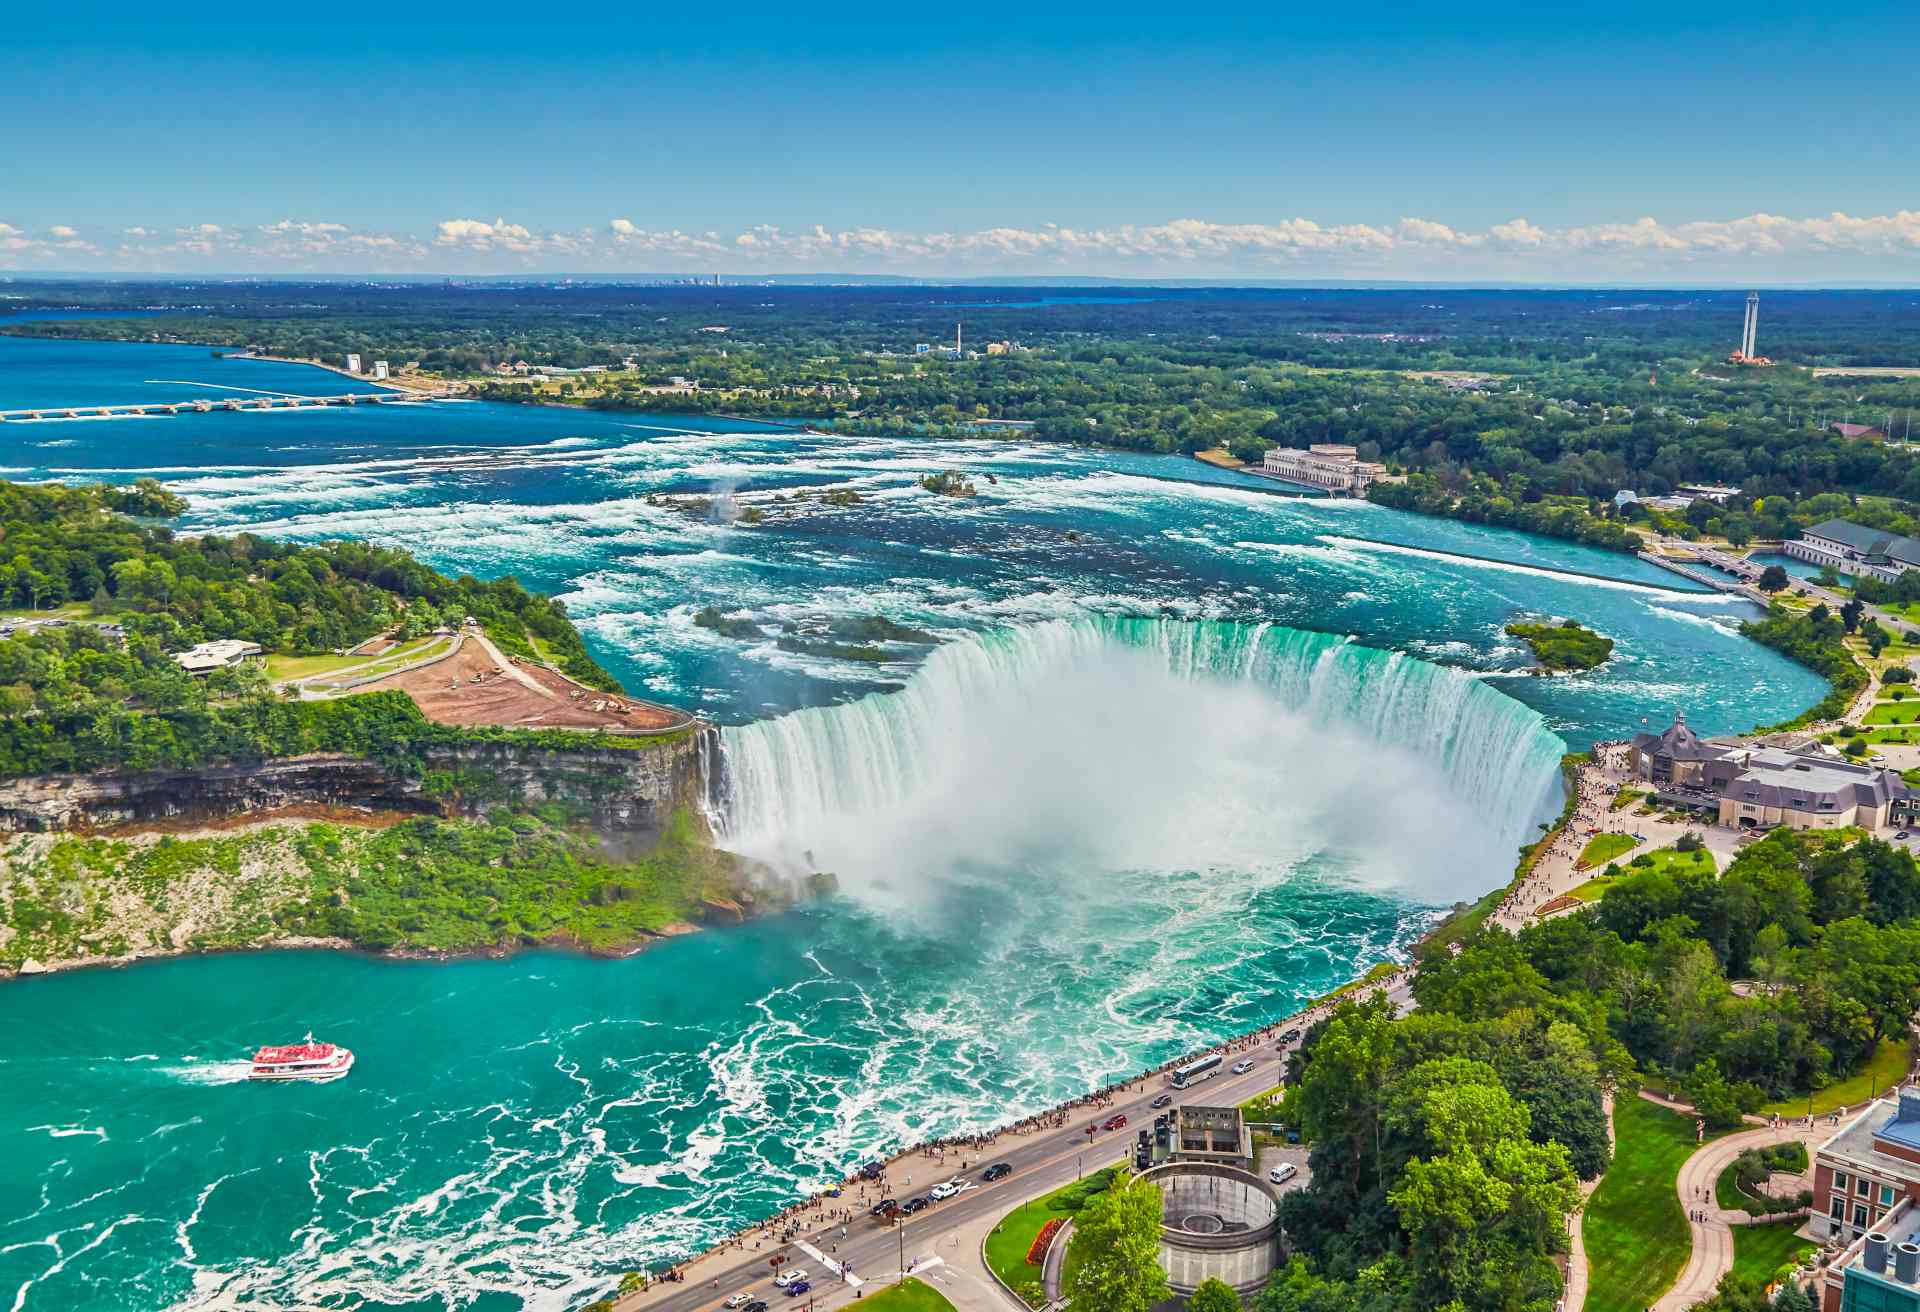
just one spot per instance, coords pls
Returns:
(1324, 464)
(1866, 1195)
(1848, 548)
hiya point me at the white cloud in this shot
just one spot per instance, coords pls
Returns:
(476, 234)
(1756, 246)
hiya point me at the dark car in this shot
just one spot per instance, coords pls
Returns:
(758, 1305)
(1164, 1100)
(798, 1288)
(1290, 1036)
(885, 1207)
(998, 1171)
(1117, 1121)
(913, 1205)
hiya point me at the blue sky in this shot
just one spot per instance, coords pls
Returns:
(1204, 142)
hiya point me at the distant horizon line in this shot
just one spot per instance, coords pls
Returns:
(1010, 281)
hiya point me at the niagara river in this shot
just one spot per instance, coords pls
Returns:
(1164, 756)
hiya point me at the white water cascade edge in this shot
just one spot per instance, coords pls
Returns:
(1071, 749)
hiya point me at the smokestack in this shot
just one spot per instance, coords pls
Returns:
(1876, 1253)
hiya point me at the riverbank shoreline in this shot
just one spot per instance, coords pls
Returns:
(748, 911)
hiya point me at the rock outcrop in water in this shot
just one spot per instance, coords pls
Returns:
(622, 790)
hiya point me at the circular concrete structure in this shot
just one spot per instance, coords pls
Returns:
(1216, 1221)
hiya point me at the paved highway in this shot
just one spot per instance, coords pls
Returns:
(1042, 1161)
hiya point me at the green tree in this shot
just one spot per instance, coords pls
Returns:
(1214, 1295)
(1113, 1258)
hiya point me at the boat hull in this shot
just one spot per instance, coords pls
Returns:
(308, 1074)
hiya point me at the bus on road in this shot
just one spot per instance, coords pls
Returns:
(1195, 1071)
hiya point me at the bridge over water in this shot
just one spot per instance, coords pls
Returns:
(207, 405)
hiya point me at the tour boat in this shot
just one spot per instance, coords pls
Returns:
(318, 1062)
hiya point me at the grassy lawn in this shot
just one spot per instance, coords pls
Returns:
(909, 1295)
(1672, 861)
(1887, 1066)
(1901, 712)
(1626, 797)
(1006, 1248)
(1602, 848)
(405, 654)
(1760, 1250)
(281, 668)
(1592, 889)
(1635, 1230)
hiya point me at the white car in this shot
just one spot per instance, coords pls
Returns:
(946, 1190)
(789, 1277)
(1282, 1173)
(1241, 1068)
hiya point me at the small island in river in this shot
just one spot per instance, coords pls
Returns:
(1565, 647)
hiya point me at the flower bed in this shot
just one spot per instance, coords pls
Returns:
(1037, 1250)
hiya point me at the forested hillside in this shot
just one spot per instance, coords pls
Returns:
(79, 695)
(1447, 1142)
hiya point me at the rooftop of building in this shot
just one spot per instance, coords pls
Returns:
(1893, 1120)
(1680, 743)
(1900, 1229)
(1870, 542)
(1774, 777)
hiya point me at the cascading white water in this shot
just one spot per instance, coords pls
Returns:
(1129, 744)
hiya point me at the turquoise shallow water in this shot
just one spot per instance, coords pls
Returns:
(1186, 754)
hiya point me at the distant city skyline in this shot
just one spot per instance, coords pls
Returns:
(1492, 142)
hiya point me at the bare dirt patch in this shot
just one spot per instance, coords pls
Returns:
(469, 688)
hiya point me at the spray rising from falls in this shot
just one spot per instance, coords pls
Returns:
(1109, 744)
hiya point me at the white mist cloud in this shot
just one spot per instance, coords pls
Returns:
(1077, 762)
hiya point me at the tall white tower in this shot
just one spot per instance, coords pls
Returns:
(1752, 328)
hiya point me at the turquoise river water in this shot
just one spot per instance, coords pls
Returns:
(1185, 754)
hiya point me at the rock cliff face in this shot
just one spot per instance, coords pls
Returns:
(625, 790)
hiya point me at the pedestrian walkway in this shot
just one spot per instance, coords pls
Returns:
(1575, 1297)
(1712, 1225)
(853, 1281)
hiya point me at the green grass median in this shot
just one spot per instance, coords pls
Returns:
(1006, 1247)
(1602, 848)
(909, 1295)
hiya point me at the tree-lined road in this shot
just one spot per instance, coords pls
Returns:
(1042, 1161)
